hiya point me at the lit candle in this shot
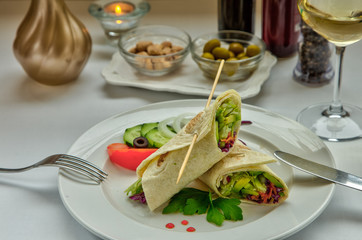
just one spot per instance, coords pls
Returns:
(118, 16)
(119, 8)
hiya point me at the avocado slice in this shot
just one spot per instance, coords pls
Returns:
(230, 119)
(258, 185)
(273, 180)
(217, 131)
(249, 191)
(240, 184)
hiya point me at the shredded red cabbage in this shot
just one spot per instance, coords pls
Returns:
(246, 122)
(228, 179)
(228, 145)
(139, 197)
(242, 141)
(274, 196)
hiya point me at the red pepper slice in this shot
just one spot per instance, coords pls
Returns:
(128, 157)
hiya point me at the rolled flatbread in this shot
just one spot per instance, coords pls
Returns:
(160, 170)
(245, 175)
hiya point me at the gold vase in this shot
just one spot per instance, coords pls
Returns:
(51, 44)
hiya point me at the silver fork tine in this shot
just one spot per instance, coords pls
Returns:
(82, 164)
(83, 171)
(91, 165)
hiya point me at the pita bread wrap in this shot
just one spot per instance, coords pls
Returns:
(160, 170)
(244, 174)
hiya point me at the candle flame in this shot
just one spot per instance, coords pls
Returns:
(118, 10)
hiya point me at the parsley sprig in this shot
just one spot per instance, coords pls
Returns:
(190, 201)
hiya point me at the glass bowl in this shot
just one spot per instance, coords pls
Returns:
(117, 17)
(234, 70)
(169, 49)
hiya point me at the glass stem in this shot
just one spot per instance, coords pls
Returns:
(336, 107)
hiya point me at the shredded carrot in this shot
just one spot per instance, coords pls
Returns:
(230, 138)
(265, 196)
(273, 188)
(254, 197)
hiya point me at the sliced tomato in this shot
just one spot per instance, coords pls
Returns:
(128, 157)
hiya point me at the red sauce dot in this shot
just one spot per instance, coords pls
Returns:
(170, 225)
(184, 222)
(191, 229)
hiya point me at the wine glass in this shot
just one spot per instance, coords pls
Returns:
(340, 22)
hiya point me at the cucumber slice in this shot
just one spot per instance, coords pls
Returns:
(146, 127)
(131, 133)
(156, 139)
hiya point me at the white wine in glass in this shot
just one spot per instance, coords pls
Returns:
(340, 22)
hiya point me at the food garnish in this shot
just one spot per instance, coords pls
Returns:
(128, 157)
(190, 201)
(157, 133)
(170, 225)
(140, 142)
(136, 192)
(184, 222)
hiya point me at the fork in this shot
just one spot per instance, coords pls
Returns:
(66, 161)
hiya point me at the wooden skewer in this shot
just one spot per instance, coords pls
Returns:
(182, 169)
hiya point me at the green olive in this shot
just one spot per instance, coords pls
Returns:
(211, 44)
(236, 47)
(231, 66)
(241, 55)
(232, 59)
(208, 55)
(252, 50)
(231, 54)
(220, 53)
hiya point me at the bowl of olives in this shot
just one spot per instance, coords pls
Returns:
(241, 51)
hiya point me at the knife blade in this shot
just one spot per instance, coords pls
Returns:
(319, 170)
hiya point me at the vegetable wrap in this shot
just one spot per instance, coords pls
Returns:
(245, 175)
(216, 126)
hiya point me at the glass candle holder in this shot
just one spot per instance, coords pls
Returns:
(117, 17)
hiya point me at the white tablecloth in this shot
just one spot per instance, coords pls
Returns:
(38, 120)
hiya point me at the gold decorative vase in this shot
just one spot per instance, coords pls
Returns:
(51, 44)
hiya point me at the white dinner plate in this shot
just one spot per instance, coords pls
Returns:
(106, 211)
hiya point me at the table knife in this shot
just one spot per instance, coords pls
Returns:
(319, 170)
